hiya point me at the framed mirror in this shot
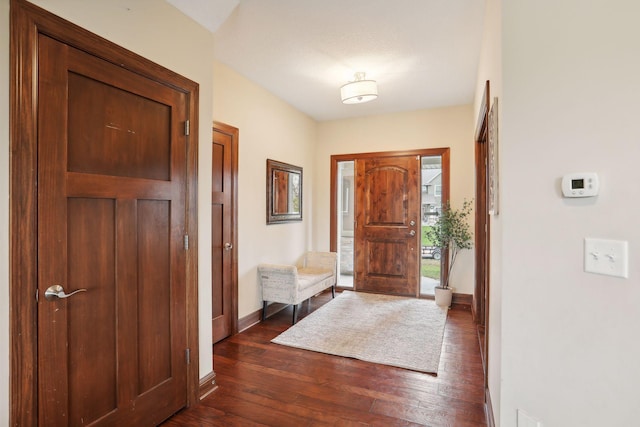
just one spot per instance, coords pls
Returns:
(284, 192)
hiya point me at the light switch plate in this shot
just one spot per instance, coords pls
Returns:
(609, 257)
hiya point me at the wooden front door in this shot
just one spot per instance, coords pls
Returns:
(223, 220)
(387, 243)
(111, 220)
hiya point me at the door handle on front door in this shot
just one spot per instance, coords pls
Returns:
(228, 246)
(412, 233)
(57, 291)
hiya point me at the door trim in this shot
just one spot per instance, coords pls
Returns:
(480, 306)
(27, 21)
(333, 204)
(482, 212)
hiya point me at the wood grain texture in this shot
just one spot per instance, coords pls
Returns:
(264, 384)
(224, 227)
(387, 211)
(364, 157)
(481, 292)
(208, 385)
(23, 217)
(27, 23)
(77, 246)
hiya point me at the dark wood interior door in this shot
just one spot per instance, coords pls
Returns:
(224, 287)
(111, 221)
(387, 236)
(480, 306)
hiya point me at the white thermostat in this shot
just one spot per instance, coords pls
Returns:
(580, 184)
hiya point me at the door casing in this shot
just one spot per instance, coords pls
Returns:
(335, 159)
(480, 305)
(27, 22)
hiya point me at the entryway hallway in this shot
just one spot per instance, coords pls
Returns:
(265, 384)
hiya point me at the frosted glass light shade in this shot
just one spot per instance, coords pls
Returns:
(359, 91)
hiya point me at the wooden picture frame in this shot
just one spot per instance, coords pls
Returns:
(284, 192)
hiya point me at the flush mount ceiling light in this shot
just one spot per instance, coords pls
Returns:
(360, 90)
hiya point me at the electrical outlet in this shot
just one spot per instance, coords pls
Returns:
(609, 257)
(526, 420)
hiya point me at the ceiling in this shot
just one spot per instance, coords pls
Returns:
(422, 53)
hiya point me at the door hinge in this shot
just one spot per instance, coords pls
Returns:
(187, 355)
(186, 242)
(186, 127)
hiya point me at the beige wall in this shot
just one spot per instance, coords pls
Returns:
(569, 104)
(444, 127)
(557, 346)
(269, 128)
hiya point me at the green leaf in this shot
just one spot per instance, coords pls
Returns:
(452, 231)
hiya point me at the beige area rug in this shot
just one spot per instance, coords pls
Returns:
(396, 331)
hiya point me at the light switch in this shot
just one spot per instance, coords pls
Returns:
(609, 257)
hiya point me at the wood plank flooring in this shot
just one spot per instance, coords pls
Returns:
(265, 384)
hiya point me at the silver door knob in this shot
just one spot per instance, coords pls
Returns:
(412, 233)
(57, 291)
(412, 223)
(228, 246)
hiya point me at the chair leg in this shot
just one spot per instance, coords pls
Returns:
(295, 313)
(333, 291)
(264, 310)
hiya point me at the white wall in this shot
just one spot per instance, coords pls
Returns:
(4, 211)
(269, 128)
(444, 127)
(490, 68)
(570, 348)
(159, 32)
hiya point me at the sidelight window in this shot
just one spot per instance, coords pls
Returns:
(359, 246)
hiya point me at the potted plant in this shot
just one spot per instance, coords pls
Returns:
(450, 233)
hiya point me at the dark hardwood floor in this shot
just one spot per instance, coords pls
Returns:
(265, 384)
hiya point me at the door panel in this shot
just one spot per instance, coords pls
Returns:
(154, 293)
(111, 196)
(143, 147)
(387, 225)
(92, 327)
(224, 152)
(220, 296)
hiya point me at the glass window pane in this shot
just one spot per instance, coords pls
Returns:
(431, 200)
(346, 222)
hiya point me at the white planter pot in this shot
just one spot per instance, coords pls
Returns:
(443, 296)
